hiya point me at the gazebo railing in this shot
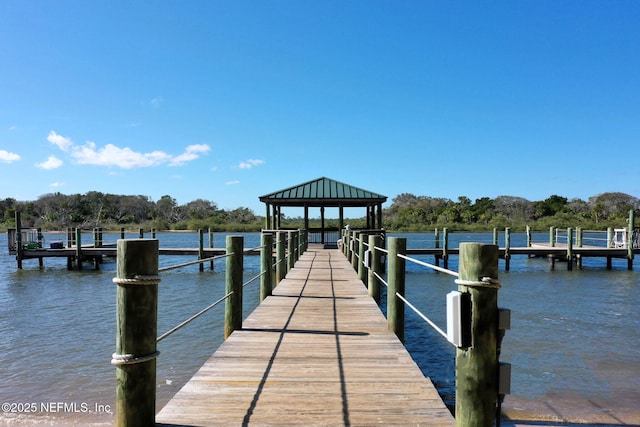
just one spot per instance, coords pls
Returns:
(326, 235)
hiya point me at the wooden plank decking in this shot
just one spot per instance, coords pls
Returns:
(317, 352)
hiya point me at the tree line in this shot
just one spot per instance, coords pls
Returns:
(407, 212)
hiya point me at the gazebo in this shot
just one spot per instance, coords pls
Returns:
(323, 193)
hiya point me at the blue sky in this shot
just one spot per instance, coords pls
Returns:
(230, 100)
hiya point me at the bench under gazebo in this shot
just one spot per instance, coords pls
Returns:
(323, 193)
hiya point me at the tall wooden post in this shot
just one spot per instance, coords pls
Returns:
(291, 248)
(437, 246)
(19, 248)
(201, 248)
(507, 248)
(395, 279)
(281, 261)
(136, 331)
(375, 241)
(211, 246)
(445, 247)
(356, 250)
(266, 265)
(233, 304)
(79, 247)
(569, 248)
(362, 267)
(477, 365)
(632, 220)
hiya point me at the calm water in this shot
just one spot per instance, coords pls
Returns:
(574, 345)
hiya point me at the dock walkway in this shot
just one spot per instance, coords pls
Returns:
(316, 352)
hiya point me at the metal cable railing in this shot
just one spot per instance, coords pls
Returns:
(192, 318)
(407, 302)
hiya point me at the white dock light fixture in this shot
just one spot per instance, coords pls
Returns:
(459, 319)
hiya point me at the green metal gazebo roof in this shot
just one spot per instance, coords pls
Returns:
(323, 192)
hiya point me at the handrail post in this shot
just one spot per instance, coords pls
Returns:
(356, 250)
(281, 266)
(362, 267)
(375, 241)
(291, 249)
(266, 266)
(348, 236)
(477, 365)
(136, 330)
(396, 279)
(233, 304)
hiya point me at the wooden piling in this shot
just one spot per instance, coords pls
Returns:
(79, 248)
(507, 247)
(445, 247)
(233, 304)
(291, 260)
(281, 262)
(362, 268)
(136, 330)
(377, 268)
(266, 265)
(201, 248)
(396, 285)
(19, 248)
(356, 250)
(211, 263)
(630, 229)
(436, 246)
(569, 248)
(477, 366)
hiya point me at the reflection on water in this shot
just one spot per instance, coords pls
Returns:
(574, 345)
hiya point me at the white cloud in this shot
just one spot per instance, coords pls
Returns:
(7, 157)
(51, 163)
(56, 184)
(192, 152)
(250, 163)
(157, 102)
(232, 182)
(62, 142)
(111, 155)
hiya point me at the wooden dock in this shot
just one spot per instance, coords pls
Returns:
(316, 352)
